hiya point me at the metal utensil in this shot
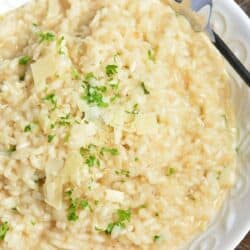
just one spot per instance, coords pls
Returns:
(196, 6)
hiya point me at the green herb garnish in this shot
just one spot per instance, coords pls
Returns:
(50, 138)
(134, 110)
(51, 98)
(112, 151)
(75, 74)
(92, 161)
(156, 238)
(111, 70)
(123, 172)
(27, 128)
(33, 223)
(123, 216)
(24, 60)
(4, 228)
(94, 95)
(12, 148)
(72, 215)
(46, 36)
(151, 55)
(83, 204)
(75, 205)
(170, 171)
(145, 90)
(88, 77)
(59, 44)
(64, 120)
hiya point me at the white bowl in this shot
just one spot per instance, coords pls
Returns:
(233, 221)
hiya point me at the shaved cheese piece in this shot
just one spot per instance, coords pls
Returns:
(70, 173)
(71, 170)
(114, 118)
(81, 135)
(53, 167)
(53, 184)
(146, 124)
(114, 196)
(53, 191)
(42, 69)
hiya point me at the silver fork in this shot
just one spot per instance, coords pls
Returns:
(196, 6)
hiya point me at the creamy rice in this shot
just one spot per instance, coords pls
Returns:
(116, 128)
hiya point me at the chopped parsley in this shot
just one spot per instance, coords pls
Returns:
(33, 223)
(145, 90)
(52, 125)
(72, 211)
(88, 77)
(136, 159)
(4, 228)
(64, 120)
(27, 128)
(170, 171)
(83, 204)
(52, 99)
(75, 74)
(123, 216)
(46, 36)
(50, 138)
(24, 60)
(94, 95)
(112, 151)
(59, 44)
(111, 70)
(75, 205)
(123, 172)
(151, 55)
(92, 161)
(134, 110)
(156, 238)
(12, 148)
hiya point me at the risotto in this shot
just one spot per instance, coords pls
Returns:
(116, 127)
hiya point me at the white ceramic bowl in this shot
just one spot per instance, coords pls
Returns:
(233, 221)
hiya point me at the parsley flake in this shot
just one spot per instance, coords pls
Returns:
(134, 110)
(52, 99)
(145, 90)
(111, 70)
(75, 205)
(75, 74)
(24, 60)
(156, 238)
(170, 171)
(27, 128)
(94, 95)
(151, 55)
(12, 148)
(64, 120)
(123, 216)
(46, 36)
(59, 44)
(50, 138)
(112, 151)
(123, 172)
(92, 161)
(4, 228)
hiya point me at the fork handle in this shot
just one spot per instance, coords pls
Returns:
(231, 58)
